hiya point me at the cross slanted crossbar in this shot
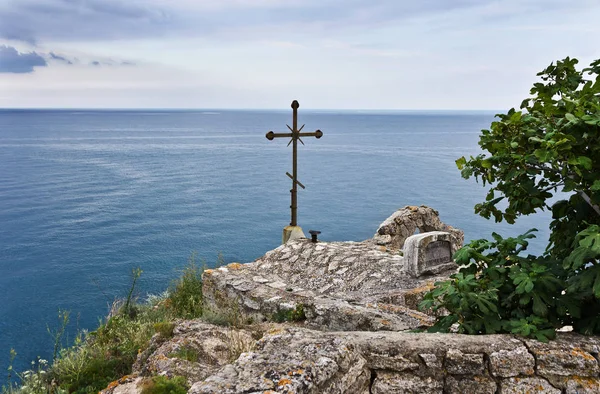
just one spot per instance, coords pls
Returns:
(295, 137)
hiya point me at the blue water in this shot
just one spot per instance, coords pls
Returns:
(85, 196)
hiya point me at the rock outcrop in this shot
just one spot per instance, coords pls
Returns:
(405, 222)
(344, 313)
(292, 359)
(342, 285)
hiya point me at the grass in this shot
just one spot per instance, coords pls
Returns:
(290, 315)
(186, 353)
(164, 385)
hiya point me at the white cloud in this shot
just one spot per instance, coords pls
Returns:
(351, 54)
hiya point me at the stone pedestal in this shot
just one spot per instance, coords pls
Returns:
(429, 253)
(291, 233)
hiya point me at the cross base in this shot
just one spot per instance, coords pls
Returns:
(291, 233)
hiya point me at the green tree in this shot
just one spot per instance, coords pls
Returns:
(548, 149)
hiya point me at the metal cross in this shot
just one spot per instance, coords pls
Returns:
(295, 137)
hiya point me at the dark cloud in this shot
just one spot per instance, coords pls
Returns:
(76, 20)
(61, 58)
(13, 61)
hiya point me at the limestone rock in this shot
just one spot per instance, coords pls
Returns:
(471, 385)
(561, 357)
(293, 361)
(338, 285)
(507, 363)
(196, 351)
(459, 363)
(527, 385)
(404, 222)
(130, 384)
(403, 383)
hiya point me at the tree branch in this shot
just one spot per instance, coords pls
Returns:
(587, 199)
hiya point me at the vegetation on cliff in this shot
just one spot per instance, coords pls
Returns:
(547, 150)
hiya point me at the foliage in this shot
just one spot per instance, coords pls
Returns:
(290, 315)
(164, 385)
(128, 308)
(57, 335)
(102, 356)
(498, 291)
(186, 353)
(238, 343)
(185, 294)
(547, 150)
(164, 329)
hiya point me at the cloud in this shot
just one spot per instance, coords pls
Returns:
(87, 20)
(76, 20)
(61, 58)
(13, 61)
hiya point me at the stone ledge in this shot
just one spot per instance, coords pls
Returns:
(291, 359)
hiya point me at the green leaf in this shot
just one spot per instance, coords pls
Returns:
(461, 162)
(586, 162)
(570, 117)
(539, 307)
(487, 163)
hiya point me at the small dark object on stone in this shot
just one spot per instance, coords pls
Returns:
(313, 235)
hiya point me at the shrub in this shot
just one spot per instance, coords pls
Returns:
(186, 292)
(550, 146)
(164, 385)
(164, 329)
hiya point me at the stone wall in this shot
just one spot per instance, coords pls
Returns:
(292, 359)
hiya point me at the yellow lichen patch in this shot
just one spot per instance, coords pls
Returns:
(284, 381)
(269, 392)
(234, 266)
(125, 378)
(580, 352)
(428, 286)
(385, 322)
(208, 272)
(587, 383)
(274, 331)
(296, 372)
(112, 385)
(413, 208)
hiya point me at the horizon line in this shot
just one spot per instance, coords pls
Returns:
(247, 109)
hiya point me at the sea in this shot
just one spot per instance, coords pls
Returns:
(86, 196)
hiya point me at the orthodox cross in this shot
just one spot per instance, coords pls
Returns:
(295, 137)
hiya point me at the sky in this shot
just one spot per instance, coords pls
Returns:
(262, 54)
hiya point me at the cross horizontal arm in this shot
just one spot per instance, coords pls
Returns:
(271, 135)
(317, 134)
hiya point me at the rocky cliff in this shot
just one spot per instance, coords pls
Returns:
(339, 318)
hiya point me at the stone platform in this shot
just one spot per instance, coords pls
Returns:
(340, 285)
